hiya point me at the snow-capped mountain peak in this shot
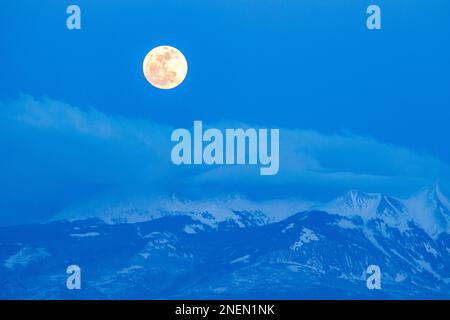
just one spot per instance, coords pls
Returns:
(430, 209)
(234, 210)
(352, 203)
(367, 206)
(435, 195)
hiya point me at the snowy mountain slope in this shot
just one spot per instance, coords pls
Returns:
(233, 211)
(312, 254)
(193, 253)
(309, 255)
(368, 206)
(428, 208)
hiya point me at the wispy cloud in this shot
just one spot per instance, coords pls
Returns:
(55, 155)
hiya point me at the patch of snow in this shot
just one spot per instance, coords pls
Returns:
(152, 235)
(26, 256)
(346, 224)
(425, 266)
(219, 290)
(161, 241)
(84, 235)
(290, 226)
(244, 259)
(306, 236)
(431, 250)
(294, 268)
(193, 228)
(144, 255)
(399, 277)
(371, 237)
(129, 269)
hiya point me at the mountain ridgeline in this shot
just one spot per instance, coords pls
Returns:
(321, 253)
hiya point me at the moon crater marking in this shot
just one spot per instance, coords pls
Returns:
(165, 67)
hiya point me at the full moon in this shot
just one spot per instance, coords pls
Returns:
(165, 67)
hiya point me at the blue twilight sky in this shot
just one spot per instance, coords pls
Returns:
(356, 108)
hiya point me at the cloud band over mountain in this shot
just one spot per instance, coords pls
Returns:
(56, 155)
